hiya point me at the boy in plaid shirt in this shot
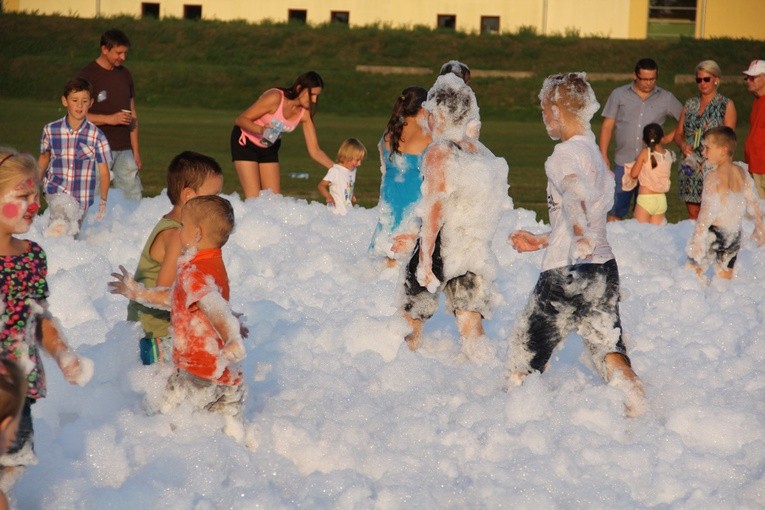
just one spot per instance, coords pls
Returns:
(72, 149)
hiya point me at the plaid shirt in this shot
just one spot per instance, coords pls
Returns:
(74, 155)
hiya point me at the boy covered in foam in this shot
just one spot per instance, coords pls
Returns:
(578, 288)
(729, 195)
(207, 339)
(463, 193)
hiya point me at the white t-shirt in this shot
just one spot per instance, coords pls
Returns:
(577, 166)
(341, 187)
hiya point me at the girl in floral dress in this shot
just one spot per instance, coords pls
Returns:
(26, 322)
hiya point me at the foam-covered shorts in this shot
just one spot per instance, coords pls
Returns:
(467, 292)
(582, 298)
(653, 203)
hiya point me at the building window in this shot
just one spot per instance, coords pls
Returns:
(149, 10)
(297, 15)
(339, 17)
(192, 12)
(447, 21)
(667, 18)
(489, 24)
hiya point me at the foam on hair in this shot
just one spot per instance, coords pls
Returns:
(453, 105)
(571, 92)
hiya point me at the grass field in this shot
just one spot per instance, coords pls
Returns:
(165, 131)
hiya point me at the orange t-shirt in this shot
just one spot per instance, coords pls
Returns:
(196, 343)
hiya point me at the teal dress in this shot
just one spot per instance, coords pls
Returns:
(691, 178)
(400, 190)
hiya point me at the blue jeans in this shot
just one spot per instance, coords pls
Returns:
(622, 199)
(125, 174)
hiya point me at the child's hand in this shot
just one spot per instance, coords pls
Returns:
(403, 243)
(124, 285)
(233, 350)
(330, 200)
(353, 200)
(76, 369)
(524, 241)
(101, 210)
(582, 249)
(427, 278)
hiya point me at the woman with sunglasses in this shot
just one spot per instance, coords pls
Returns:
(256, 137)
(710, 109)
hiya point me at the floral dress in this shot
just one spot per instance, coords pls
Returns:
(23, 287)
(691, 181)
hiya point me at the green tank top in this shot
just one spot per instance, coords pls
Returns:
(155, 323)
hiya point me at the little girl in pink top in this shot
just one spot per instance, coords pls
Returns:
(652, 169)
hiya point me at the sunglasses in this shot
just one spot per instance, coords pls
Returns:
(750, 78)
(705, 79)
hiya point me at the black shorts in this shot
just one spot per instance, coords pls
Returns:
(251, 152)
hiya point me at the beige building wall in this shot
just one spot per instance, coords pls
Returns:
(730, 18)
(622, 19)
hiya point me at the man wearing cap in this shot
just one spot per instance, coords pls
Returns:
(629, 108)
(754, 148)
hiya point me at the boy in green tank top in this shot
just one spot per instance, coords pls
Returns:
(189, 175)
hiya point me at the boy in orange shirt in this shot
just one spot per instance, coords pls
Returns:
(207, 339)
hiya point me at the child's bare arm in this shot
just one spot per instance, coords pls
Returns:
(171, 244)
(639, 162)
(323, 188)
(52, 340)
(434, 187)
(709, 203)
(103, 171)
(573, 198)
(754, 209)
(225, 323)
(157, 297)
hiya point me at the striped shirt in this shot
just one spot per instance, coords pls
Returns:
(74, 158)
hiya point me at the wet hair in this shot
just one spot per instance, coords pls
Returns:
(350, 149)
(407, 105)
(652, 135)
(453, 105)
(570, 92)
(722, 136)
(215, 213)
(77, 85)
(709, 66)
(13, 389)
(189, 170)
(648, 64)
(114, 37)
(15, 166)
(457, 68)
(308, 80)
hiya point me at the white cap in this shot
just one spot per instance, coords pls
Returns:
(756, 68)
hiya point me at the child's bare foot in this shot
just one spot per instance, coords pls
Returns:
(725, 274)
(414, 338)
(619, 374)
(469, 324)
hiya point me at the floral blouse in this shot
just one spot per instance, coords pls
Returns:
(23, 289)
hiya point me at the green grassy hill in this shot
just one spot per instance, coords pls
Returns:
(227, 64)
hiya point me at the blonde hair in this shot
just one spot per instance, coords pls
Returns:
(215, 214)
(722, 136)
(15, 166)
(351, 149)
(709, 66)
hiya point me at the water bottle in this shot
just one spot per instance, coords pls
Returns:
(272, 132)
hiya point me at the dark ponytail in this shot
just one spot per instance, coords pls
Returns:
(407, 105)
(652, 135)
